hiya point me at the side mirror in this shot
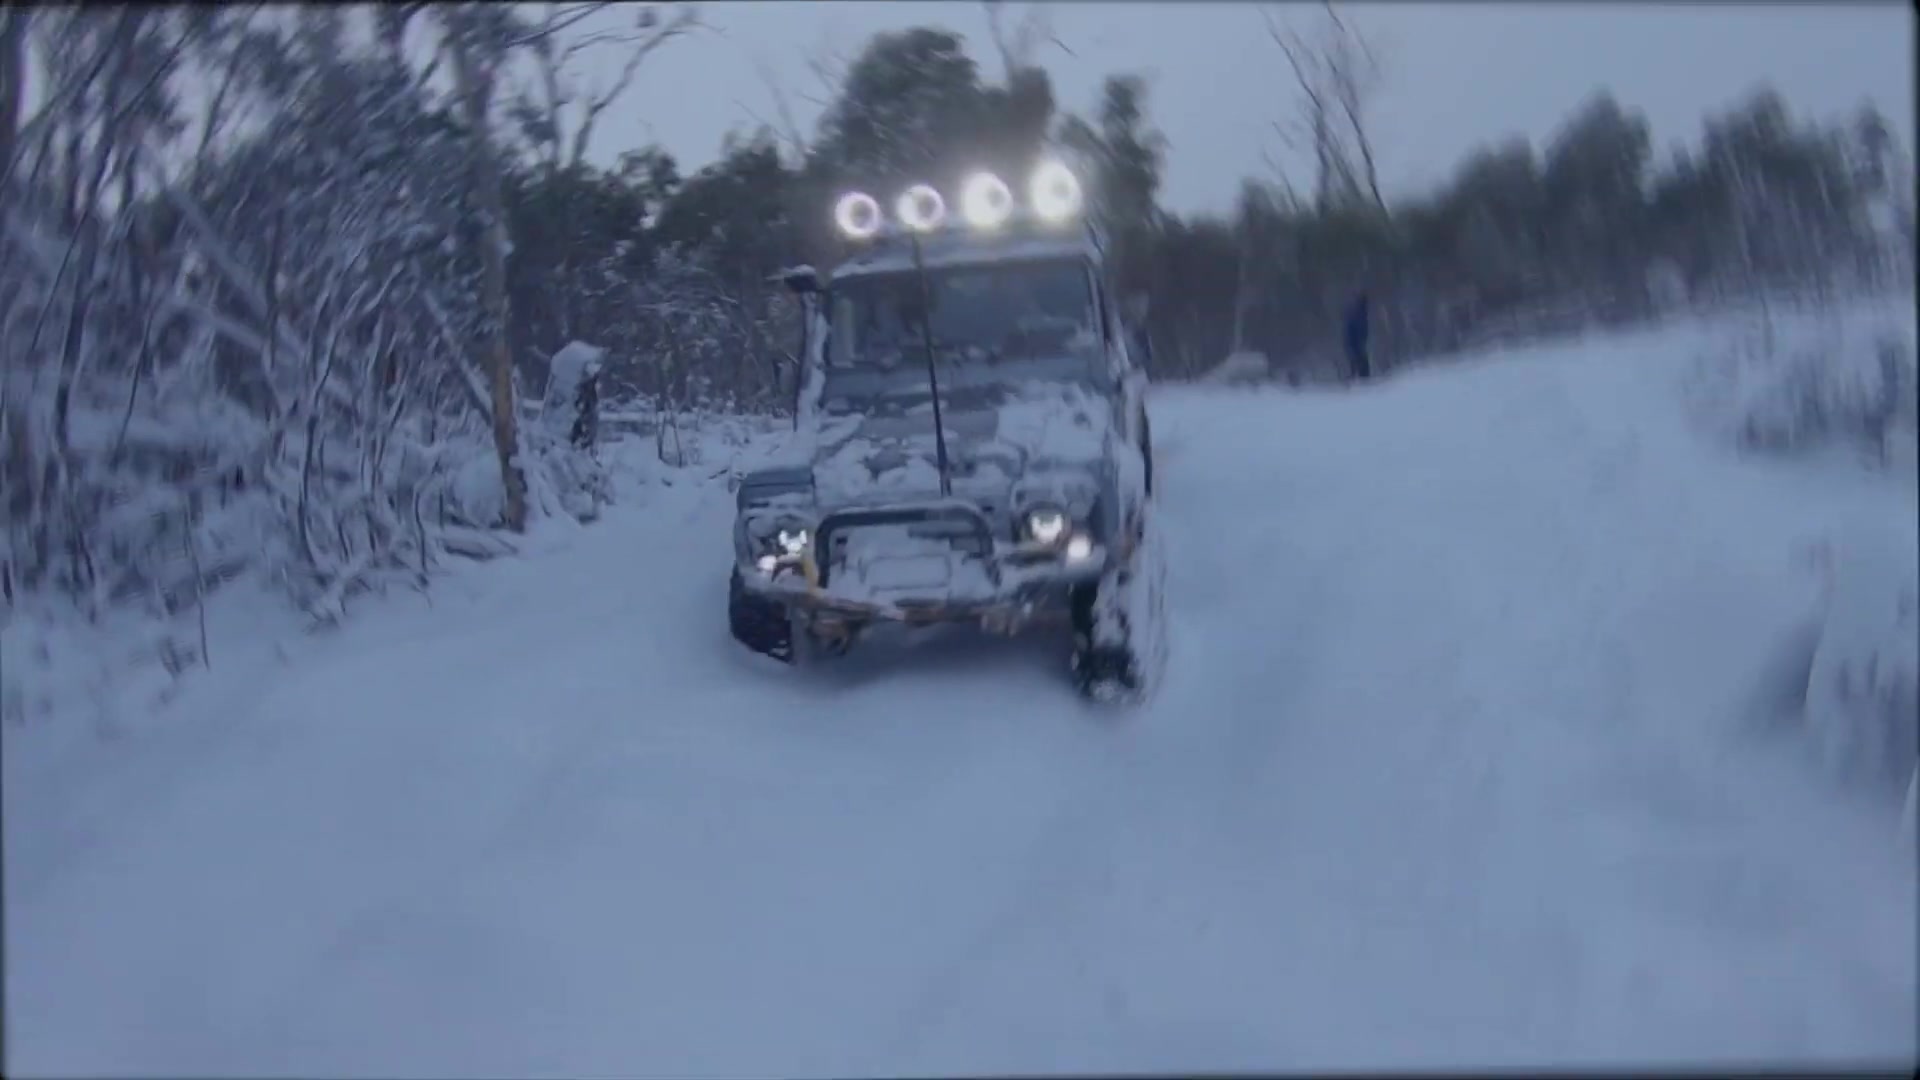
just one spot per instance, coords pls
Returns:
(800, 280)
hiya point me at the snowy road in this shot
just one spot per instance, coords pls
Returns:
(1450, 769)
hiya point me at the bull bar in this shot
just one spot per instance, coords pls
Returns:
(1028, 581)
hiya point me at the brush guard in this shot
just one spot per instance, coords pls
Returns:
(978, 530)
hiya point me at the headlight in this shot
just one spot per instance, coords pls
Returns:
(780, 544)
(1047, 524)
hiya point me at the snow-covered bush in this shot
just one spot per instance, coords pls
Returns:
(55, 662)
(1862, 702)
(1798, 382)
(1792, 383)
(1241, 369)
(680, 333)
(262, 362)
(566, 432)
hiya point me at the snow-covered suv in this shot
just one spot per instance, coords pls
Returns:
(972, 444)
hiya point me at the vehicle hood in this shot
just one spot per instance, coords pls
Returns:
(883, 445)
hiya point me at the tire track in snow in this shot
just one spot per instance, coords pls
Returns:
(953, 799)
(561, 737)
(1079, 873)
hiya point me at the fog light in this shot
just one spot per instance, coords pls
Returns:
(1079, 549)
(768, 564)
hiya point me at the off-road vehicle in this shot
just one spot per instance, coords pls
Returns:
(971, 441)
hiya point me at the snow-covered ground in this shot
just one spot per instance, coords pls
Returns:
(1459, 761)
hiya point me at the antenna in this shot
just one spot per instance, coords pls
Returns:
(933, 375)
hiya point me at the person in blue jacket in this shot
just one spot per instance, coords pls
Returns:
(1358, 322)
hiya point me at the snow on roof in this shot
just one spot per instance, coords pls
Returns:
(958, 247)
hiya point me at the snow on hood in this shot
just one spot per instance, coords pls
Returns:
(965, 248)
(997, 433)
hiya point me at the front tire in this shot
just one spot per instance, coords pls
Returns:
(1104, 665)
(762, 625)
(1119, 623)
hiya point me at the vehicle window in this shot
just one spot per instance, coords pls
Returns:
(978, 314)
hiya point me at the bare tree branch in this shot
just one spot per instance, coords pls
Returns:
(829, 68)
(554, 98)
(1017, 47)
(561, 18)
(1336, 75)
(216, 109)
(557, 146)
(56, 106)
(788, 128)
(684, 19)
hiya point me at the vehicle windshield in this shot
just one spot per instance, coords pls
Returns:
(984, 314)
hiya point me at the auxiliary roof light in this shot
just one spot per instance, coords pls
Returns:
(858, 215)
(921, 208)
(985, 201)
(1054, 192)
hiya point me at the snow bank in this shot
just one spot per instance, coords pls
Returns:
(70, 685)
(1434, 780)
(1862, 706)
(1841, 378)
(1836, 388)
(1241, 368)
(66, 677)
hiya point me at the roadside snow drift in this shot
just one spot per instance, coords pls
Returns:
(1455, 764)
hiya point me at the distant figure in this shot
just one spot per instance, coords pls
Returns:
(1358, 322)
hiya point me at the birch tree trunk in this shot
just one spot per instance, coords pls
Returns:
(473, 81)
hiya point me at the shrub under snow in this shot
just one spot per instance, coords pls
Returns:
(1241, 368)
(1841, 379)
(1863, 693)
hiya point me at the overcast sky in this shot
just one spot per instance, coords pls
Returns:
(1455, 74)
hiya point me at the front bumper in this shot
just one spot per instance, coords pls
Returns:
(999, 584)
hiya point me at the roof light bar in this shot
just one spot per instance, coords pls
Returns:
(921, 208)
(858, 215)
(985, 201)
(1054, 192)
(1054, 197)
